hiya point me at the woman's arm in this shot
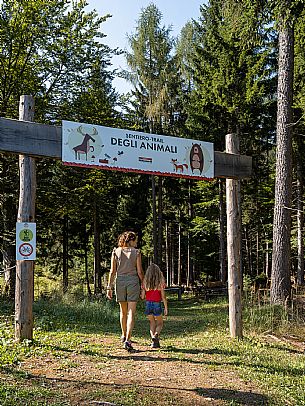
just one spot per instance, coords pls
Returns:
(111, 277)
(139, 268)
(164, 300)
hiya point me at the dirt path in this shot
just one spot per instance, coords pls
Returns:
(170, 376)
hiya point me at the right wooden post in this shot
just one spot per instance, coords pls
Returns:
(234, 245)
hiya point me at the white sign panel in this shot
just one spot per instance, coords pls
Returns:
(25, 241)
(132, 151)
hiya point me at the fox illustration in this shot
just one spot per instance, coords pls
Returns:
(178, 166)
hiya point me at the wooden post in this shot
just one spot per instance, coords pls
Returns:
(24, 293)
(234, 245)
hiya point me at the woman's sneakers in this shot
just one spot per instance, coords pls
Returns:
(155, 341)
(123, 339)
(128, 347)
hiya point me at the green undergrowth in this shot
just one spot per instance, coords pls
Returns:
(195, 331)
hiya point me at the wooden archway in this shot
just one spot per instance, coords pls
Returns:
(29, 140)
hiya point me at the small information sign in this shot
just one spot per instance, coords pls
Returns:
(25, 241)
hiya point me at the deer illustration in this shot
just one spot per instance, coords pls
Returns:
(84, 147)
(178, 166)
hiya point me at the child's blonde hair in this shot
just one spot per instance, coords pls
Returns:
(153, 278)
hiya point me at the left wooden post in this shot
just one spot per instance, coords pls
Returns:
(24, 293)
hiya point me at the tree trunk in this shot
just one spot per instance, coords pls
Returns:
(234, 245)
(26, 213)
(86, 263)
(160, 229)
(300, 223)
(280, 273)
(9, 247)
(65, 272)
(167, 253)
(97, 255)
(257, 252)
(188, 269)
(179, 255)
(9, 207)
(267, 259)
(189, 278)
(173, 252)
(222, 238)
(248, 250)
(154, 213)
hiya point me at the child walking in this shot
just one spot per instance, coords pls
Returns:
(153, 293)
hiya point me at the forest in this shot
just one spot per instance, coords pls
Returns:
(237, 69)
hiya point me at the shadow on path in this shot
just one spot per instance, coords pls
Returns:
(243, 398)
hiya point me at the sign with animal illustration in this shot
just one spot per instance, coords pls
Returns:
(101, 147)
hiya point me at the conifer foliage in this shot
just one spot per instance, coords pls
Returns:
(238, 68)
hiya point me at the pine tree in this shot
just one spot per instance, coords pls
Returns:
(280, 275)
(151, 67)
(150, 63)
(232, 80)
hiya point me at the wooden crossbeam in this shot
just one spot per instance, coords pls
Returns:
(43, 140)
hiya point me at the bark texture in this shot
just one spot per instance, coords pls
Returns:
(24, 294)
(234, 245)
(280, 273)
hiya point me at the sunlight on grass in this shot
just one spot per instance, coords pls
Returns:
(195, 331)
(13, 395)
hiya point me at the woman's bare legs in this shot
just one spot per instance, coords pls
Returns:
(131, 315)
(123, 317)
(127, 318)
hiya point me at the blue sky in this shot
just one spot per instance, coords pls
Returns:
(125, 13)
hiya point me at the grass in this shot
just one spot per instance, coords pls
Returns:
(196, 333)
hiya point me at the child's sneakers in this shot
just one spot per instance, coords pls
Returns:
(155, 342)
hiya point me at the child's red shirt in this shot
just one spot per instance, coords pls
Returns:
(153, 295)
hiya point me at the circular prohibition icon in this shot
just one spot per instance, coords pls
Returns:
(26, 249)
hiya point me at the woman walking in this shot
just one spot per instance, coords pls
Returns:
(126, 274)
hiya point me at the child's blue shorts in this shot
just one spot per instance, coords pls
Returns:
(153, 308)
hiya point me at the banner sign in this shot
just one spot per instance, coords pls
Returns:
(132, 151)
(25, 241)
